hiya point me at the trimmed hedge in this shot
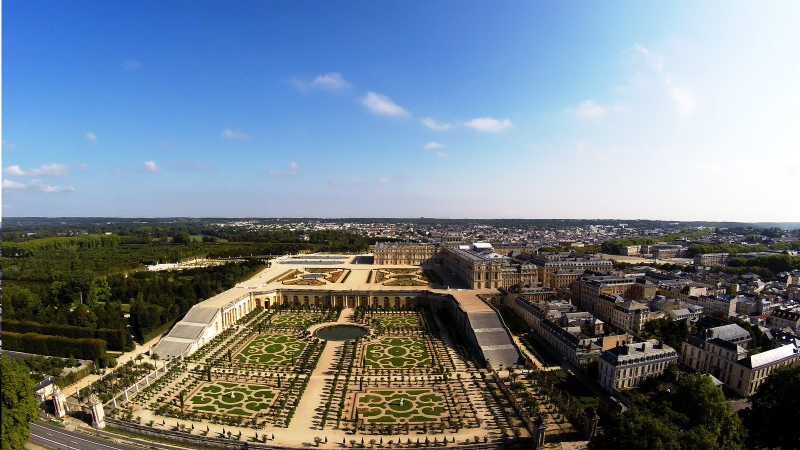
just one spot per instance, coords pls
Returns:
(157, 331)
(73, 377)
(43, 344)
(116, 339)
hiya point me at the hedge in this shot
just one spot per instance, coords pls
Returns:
(116, 339)
(73, 377)
(43, 344)
(157, 331)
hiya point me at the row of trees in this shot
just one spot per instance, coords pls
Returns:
(42, 344)
(774, 263)
(612, 246)
(30, 248)
(116, 339)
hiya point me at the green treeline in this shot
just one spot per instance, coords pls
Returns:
(612, 246)
(701, 249)
(116, 339)
(774, 263)
(29, 248)
(41, 344)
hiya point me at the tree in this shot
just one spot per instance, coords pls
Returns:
(99, 291)
(695, 417)
(637, 429)
(181, 237)
(773, 416)
(18, 404)
(704, 404)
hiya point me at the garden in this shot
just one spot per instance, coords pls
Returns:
(231, 398)
(401, 406)
(397, 353)
(271, 349)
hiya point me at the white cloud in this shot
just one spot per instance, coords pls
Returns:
(82, 166)
(294, 170)
(91, 137)
(434, 125)
(9, 185)
(131, 64)
(234, 134)
(383, 180)
(591, 110)
(685, 100)
(489, 124)
(43, 170)
(151, 166)
(433, 145)
(9, 145)
(49, 189)
(331, 81)
(653, 60)
(621, 109)
(442, 154)
(50, 170)
(14, 170)
(383, 105)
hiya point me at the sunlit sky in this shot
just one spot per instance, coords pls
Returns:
(675, 110)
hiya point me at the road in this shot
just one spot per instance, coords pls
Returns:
(62, 439)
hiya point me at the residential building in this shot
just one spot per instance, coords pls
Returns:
(781, 318)
(720, 305)
(625, 366)
(550, 263)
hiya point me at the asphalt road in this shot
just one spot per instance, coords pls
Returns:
(62, 439)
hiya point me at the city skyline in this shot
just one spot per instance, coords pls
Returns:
(522, 110)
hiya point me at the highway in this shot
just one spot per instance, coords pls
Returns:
(56, 437)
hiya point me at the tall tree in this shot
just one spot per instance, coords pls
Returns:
(774, 413)
(18, 404)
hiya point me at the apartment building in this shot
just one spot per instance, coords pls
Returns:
(625, 366)
(630, 315)
(781, 318)
(720, 305)
(717, 353)
(561, 325)
(550, 263)
(586, 291)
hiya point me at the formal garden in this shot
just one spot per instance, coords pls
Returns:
(397, 352)
(271, 349)
(231, 398)
(400, 406)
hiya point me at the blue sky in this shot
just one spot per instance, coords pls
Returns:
(662, 110)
